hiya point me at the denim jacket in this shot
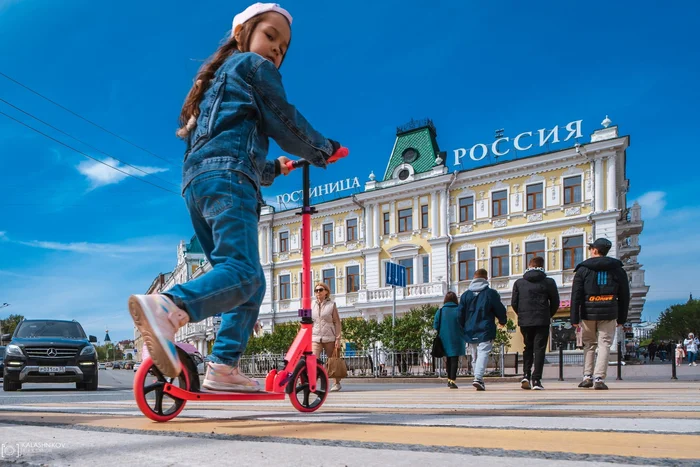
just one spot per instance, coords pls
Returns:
(245, 105)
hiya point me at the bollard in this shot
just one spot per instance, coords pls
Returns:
(619, 361)
(517, 354)
(673, 368)
(561, 362)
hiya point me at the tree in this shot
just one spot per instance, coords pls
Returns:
(678, 320)
(101, 352)
(361, 332)
(9, 324)
(277, 341)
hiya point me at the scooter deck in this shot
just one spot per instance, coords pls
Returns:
(221, 395)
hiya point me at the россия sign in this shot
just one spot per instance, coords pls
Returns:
(480, 150)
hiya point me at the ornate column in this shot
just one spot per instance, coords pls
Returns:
(599, 185)
(369, 225)
(434, 227)
(611, 185)
(444, 221)
(392, 221)
(375, 224)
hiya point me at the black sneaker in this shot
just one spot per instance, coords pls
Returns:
(586, 383)
(599, 384)
(452, 385)
(537, 384)
(525, 383)
(479, 385)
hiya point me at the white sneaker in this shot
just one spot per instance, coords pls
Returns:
(336, 387)
(158, 319)
(222, 377)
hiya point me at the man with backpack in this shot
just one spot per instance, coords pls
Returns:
(479, 307)
(600, 298)
(535, 300)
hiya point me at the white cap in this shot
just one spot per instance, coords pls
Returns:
(258, 9)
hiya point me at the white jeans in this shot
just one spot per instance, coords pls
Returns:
(480, 358)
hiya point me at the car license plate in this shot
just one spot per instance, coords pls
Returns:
(52, 369)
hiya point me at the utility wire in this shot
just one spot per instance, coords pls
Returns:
(86, 155)
(85, 119)
(84, 143)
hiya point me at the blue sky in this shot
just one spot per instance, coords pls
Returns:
(77, 238)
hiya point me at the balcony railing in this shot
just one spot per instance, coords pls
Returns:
(385, 294)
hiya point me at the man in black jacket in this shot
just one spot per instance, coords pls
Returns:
(535, 299)
(600, 298)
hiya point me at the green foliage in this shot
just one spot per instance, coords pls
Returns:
(101, 352)
(361, 332)
(413, 330)
(275, 342)
(503, 336)
(9, 324)
(678, 320)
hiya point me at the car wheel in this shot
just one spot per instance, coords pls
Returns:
(8, 386)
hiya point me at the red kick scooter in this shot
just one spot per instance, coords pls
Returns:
(304, 378)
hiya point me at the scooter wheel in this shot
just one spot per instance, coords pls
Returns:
(150, 397)
(301, 396)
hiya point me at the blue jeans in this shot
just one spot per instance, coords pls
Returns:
(480, 358)
(692, 356)
(223, 206)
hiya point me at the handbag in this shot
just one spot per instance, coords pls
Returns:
(438, 350)
(336, 366)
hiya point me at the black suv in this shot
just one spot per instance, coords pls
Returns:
(50, 351)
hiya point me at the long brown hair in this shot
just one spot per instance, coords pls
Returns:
(190, 109)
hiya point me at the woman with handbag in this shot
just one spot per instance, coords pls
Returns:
(451, 335)
(327, 329)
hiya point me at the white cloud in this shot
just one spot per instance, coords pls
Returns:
(101, 175)
(147, 245)
(653, 203)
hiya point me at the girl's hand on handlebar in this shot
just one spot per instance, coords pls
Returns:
(284, 170)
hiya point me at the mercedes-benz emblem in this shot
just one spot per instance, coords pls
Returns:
(51, 352)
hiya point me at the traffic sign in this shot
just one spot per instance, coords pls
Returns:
(395, 274)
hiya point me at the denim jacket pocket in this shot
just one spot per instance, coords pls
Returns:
(212, 101)
(212, 193)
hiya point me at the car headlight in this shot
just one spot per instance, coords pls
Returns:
(13, 349)
(88, 350)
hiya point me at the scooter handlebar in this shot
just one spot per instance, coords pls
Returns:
(339, 154)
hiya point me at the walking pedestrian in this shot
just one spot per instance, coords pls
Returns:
(479, 308)
(600, 298)
(535, 299)
(327, 330)
(691, 346)
(447, 322)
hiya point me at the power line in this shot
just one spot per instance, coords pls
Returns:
(83, 142)
(86, 155)
(86, 120)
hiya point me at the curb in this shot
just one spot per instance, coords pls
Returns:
(427, 380)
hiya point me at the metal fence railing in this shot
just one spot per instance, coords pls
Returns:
(383, 363)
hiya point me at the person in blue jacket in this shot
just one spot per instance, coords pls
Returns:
(479, 307)
(451, 333)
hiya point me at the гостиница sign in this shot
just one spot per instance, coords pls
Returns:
(321, 190)
(520, 142)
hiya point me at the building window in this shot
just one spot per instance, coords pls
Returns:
(424, 216)
(533, 249)
(352, 276)
(329, 279)
(387, 223)
(408, 264)
(466, 209)
(500, 261)
(572, 249)
(327, 234)
(499, 203)
(426, 269)
(572, 190)
(467, 265)
(285, 287)
(284, 242)
(534, 197)
(405, 220)
(351, 225)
